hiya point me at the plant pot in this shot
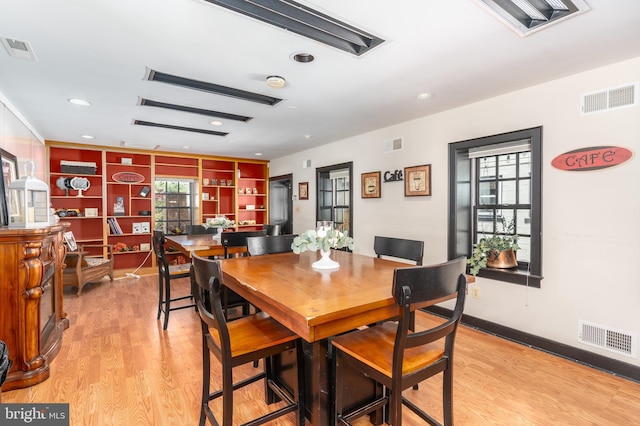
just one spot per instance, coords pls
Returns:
(502, 260)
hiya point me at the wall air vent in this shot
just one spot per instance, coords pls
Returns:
(18, 49)
(393, 145)
(305, 21)
(611, 99)
(617, 341)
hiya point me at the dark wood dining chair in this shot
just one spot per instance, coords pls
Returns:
(166, 274)
(235, 243)
(399, 359)
(272, 230)
(399, 247)
(237, 240)
(241, 341)
(199, 229)
(270, 244)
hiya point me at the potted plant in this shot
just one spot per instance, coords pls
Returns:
(495, 251)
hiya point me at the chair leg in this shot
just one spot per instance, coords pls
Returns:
(160, 295)
(447, 400)
(167, 302)
(299, 391)
(206, 381)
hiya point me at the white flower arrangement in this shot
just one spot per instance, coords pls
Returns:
(219, 222)
(322, 239)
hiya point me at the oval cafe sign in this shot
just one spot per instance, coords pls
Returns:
(127, 177)
(591, 158)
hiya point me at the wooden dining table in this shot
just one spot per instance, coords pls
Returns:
(316, 304)
(202, 244)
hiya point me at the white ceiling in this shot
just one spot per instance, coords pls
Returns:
(100, 50)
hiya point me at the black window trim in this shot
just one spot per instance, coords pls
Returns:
(531, 276)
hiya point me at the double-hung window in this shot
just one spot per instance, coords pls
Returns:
(495, 187)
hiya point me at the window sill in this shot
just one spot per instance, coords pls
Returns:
(514, 276)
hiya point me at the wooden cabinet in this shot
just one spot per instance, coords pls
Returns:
(218, 189)
(32, 317)
(82, 209)
(129, 203)
(252, 196)
(235, 188)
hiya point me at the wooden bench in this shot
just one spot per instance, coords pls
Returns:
(87, 265)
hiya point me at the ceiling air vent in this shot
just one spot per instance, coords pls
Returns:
(617, 341)
(393, 145)
(18, 49)
(305, 21)
(611, 99)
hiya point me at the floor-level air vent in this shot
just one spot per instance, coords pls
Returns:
(393, 145)
(617, 341)
(611, 99)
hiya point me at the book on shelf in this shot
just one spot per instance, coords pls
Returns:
(114, 226)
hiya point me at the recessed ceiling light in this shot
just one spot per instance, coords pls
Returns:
(424, 96)
(308, 136)
(216, 123)
(275, 81)
(81, 102)
(258, 154)
(303, 58)
(88, 137)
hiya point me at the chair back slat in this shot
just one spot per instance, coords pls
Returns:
(272, 230)
(199, 229)
(158, 249)
(270, 244)
(399, 247)
(415, 285)
(237, 239)
(206, 287)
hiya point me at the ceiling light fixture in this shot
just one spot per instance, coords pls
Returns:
(303, 58)
(528, 16)
(305, 21)
(216, 123)
(88, 137)
(81, 102)
(275, 81)
(424, 96)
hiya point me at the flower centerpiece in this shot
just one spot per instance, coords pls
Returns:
(219, 222)
(324, 238)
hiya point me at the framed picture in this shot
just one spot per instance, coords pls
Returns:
(417, 180)
(370, 185)
(70, 240)
(9, 174)
(303, 190)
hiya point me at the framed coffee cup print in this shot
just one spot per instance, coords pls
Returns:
(303, 190)
(370, 185)
(417, 180)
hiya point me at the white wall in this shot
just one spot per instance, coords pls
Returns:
(591, 220)
(18, 138)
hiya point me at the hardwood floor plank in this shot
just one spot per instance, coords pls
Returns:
(118, 367)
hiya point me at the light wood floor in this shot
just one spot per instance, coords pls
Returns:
(117, 367)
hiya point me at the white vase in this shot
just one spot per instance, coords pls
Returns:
(218, 234)
(325, 261)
